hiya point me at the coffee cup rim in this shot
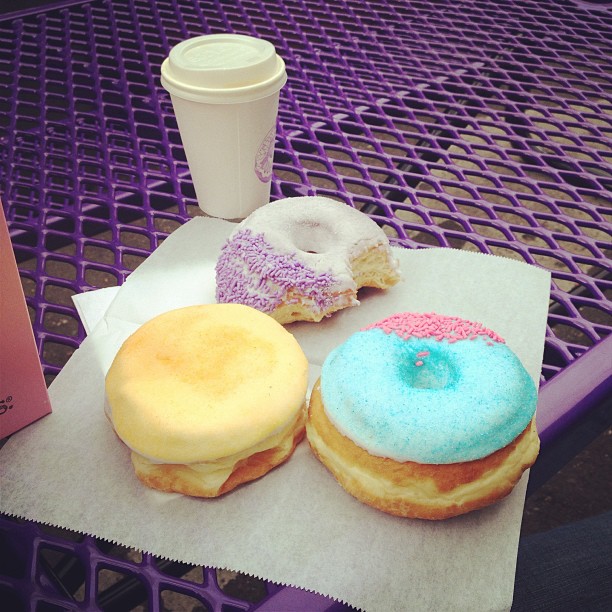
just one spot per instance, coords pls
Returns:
(172, 82)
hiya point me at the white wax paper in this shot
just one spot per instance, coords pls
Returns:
(296, 525)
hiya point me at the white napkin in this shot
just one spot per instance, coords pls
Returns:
(295, 525)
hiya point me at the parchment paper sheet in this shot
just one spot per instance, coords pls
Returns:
(296, 525)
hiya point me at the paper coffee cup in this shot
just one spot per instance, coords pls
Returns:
(224, 89)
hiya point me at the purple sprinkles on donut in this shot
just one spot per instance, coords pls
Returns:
(252, 272)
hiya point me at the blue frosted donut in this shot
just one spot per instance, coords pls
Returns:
(427, 388)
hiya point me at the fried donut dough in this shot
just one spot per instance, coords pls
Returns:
(214, 478)
(418, 490)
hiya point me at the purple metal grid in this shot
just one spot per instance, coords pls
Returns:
(471, 124)
(29, 578)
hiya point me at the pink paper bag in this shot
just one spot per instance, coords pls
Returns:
(23, 392)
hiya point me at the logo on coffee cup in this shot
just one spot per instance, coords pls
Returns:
(264, 157)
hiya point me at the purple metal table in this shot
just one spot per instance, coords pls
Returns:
(472, 124)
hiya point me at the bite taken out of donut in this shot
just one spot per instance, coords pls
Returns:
(208, 397)
(301, 259)
(424, 416)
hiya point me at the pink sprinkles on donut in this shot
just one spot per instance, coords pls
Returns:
(440, 327)
(252, 272)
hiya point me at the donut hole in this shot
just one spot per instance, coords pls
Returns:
(431, 372)
(313, 237)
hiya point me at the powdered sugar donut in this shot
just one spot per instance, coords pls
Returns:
(424, 415)
(301, 259)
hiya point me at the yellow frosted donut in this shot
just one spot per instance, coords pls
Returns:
(207, 397)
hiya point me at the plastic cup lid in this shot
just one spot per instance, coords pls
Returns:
(223, 69)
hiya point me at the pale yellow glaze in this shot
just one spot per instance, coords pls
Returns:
(207, 478)
(204, 382)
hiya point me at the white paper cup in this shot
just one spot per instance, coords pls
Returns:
(224, 89)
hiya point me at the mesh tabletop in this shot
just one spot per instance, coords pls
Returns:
(476, 125)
